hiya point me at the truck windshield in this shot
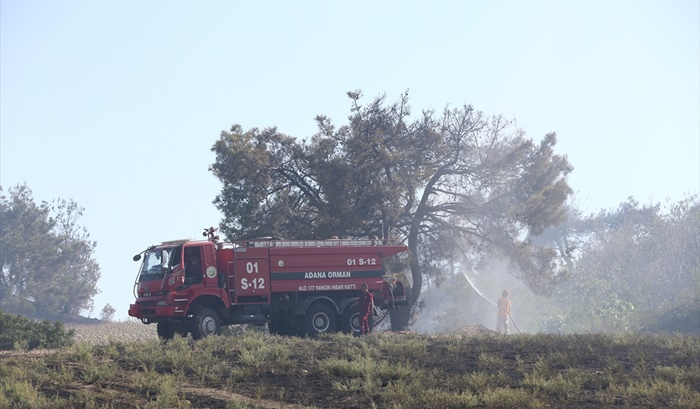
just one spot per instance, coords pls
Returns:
(157, 262)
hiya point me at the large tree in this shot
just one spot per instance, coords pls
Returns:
(458, 182)
(47, 259)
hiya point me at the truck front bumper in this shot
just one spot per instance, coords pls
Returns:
(151, 310)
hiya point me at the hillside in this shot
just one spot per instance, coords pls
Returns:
(123, 365)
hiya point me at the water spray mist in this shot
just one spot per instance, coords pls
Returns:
(464, 272)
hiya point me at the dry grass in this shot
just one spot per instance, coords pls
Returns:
(103, 333)
(123, 365)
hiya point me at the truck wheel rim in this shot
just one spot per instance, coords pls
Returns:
(355, 322)
(209, 325)
(320, 322)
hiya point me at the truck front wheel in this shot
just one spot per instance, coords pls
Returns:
(205, 322)
(319, 319)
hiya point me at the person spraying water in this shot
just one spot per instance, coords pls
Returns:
(503, 318)
(503, 305)
(507, 302)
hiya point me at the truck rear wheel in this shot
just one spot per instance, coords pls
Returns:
(319, 319)
(350, 321)
(206, 322)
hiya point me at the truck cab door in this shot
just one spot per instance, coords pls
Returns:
(193, 262)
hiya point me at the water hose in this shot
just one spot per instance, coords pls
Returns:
(514, 324)
(374, 324)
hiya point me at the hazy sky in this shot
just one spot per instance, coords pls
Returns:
(116, 104)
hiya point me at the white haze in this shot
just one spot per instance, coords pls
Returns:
(454, 304)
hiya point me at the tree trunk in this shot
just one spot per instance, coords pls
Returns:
(401, 317)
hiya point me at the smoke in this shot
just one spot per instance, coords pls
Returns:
(471, 283)
(437, 313)
(468, 297)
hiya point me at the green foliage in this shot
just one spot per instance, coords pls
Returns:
(683, 317)
(47, 259)
(22, 395)
(635, 268)
(19, 332)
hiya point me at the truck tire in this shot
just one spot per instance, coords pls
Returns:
(350, 321)
(206, 322)
(319, 319)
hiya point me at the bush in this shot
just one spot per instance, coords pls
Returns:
(681, 316)
(19, 332)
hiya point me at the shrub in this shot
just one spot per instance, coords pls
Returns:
(19, 332)
(684, 319)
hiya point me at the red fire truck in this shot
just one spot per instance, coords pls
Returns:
(297, 287)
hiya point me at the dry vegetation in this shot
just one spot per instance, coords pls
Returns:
(123, 365)
(102, 333)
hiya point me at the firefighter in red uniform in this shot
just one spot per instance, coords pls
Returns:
(366, 304)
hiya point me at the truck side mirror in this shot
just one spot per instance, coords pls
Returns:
(137, 257)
